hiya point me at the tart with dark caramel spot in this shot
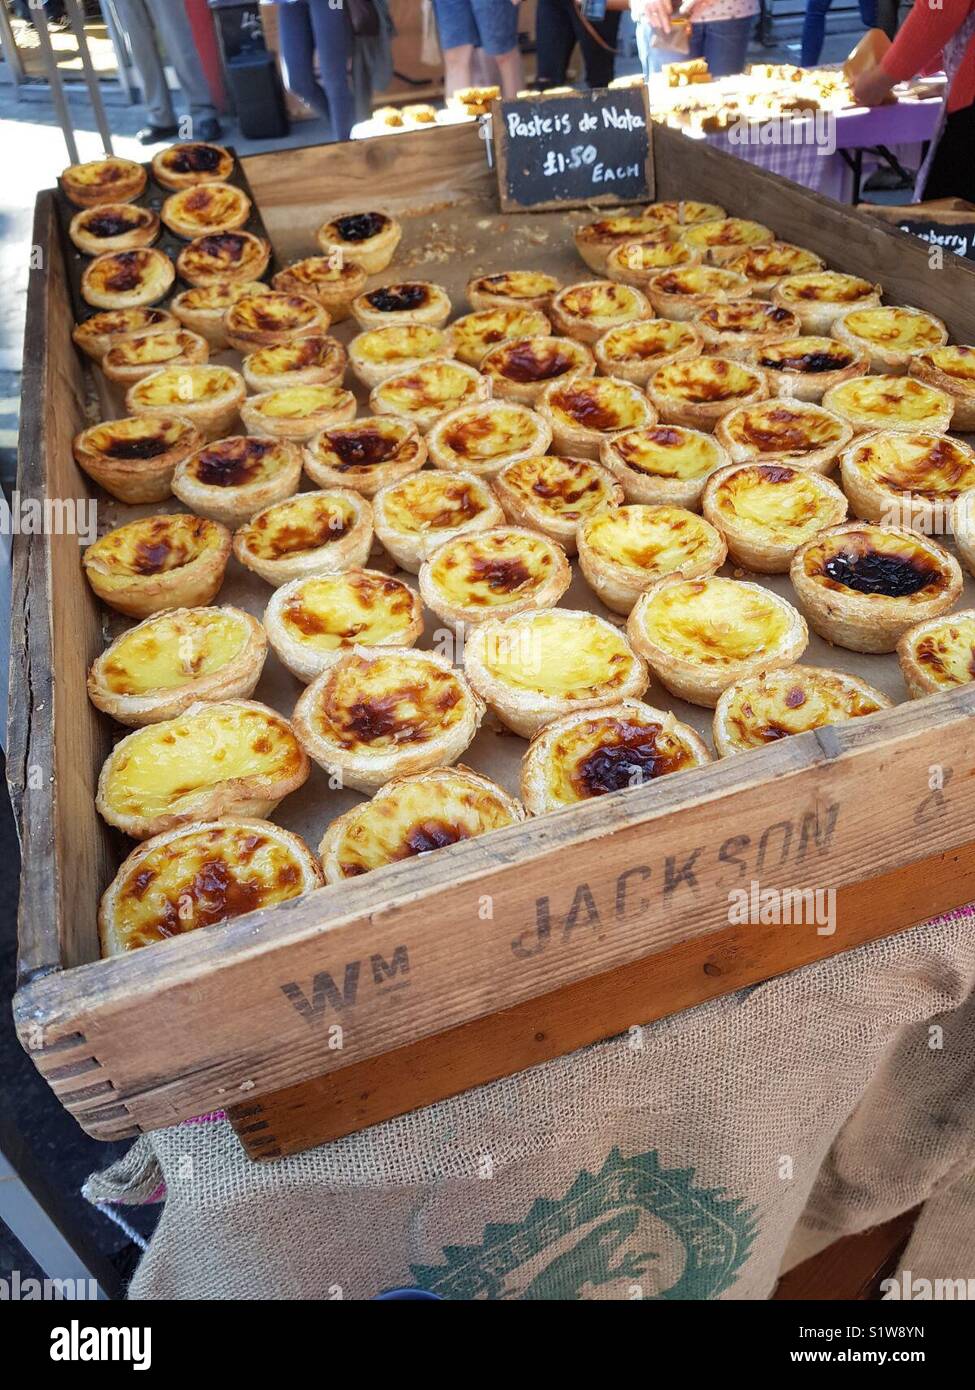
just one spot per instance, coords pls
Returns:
(493, 574)
(368, 239)
(310, 533)
(157, 562)
(939, 654)
(195, 162)
(365, 454)
(773, 705)
(521, 368)
(585, 411)
(862, 586)
(127, 279)
(134, 459)
(553, 495)
(797, 433)
(232, 479)
(113, 227)
(804, 368)
(408, 301)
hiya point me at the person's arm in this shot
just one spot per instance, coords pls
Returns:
(922, 36)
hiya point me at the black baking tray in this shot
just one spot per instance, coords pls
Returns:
(153, 196)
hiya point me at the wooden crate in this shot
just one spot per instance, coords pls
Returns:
(448, 971)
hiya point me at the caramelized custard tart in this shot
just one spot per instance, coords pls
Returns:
(699, 391)
(98, 181)
(772, 705)
(158, 562)
(368, 239)
(890, 403)
(113, 227)
(910, 479)
(739, 327)
(634, 351)
(195, 162)
(334, 284)
(483, 438)
(764, 266)
(313, 360)
(592, 752)
(409, 301)
(528, 289)
(134, 459)
(586, 410)
(663, 463)
(796, 433)
(311, 533)
(478, 333)
(682, 293)
(424, 393)
(862, 586)
(205, 209)
(766, 511)
(419, 513)
(271, 320)
(199, 875)
(938, 654)
(890, 336)
(127, 279)
(624, 551)
(313, 622)
(804, 368)
(365, 454)
(298, 412)
(210, 397)
(552, 494)
(819, 297)
(589, 310)
(376, 715)
(951, 370)
(204, 307)
(723, 239)
(493, 574)
(137, 354)
(220, 257)
(519, 369)
(382, 352)
(97, 334)
(232, 479)
(415, 815)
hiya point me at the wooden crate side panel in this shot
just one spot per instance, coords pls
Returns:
(847, 239)
(618, 1002)
(517, 915)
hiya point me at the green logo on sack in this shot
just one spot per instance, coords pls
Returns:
(617, 1230)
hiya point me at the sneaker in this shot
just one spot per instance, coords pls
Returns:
(207, 129)
(154, 134)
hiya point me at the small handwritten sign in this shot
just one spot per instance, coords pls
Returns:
(958, 237)
(573, 149)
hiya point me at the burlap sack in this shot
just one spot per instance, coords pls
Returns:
(675, 1161)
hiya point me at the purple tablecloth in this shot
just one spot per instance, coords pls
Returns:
(902, 128)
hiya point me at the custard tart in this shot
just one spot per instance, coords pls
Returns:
(795, 433)
(584, 411)
(227, 757)
(493, 574)
(951, 370)
(131, 358)
(589, 310)
(204, 308)
(938, 654)
(311, 533)
(366, 454)
(97, 334)
(415, 815)
(199, 875)
(382, 352)
(549, 662)
(368, 239)
(479, 333)
(135, 459)
(634, 351)
(683, 212)
(663, 463)
(804, 368)
(637, 262)
(427, 391)
(232, 479)
(113, 227)
(699, 391)
(526, 289)
(313, 622)
(772, 705)
(483, 438)
(596, 241)
(110, 180)
(890, 403)
(376, 715)
(551, 494)
(963, 528)
(210, 397)
(908, 479)
(682, 293)
(862, 586)
(701, 635)
(409, 301)
(592, 752)
(271, 320)
(890, 336)
(206, 209)
(721, 240)
(313, 360)
(521, 368)
(195, 162)
(422, 511)
(334, 284)
(127, 279)
(738, 328)
(219, 257)
(764, 266)
(624, 551)
(160, 667)
(297, 412)
(819, 297)
(766, 511)
(158, 562)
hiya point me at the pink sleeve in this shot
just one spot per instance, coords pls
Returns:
(922, 36)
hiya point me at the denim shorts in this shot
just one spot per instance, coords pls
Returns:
(488, 24)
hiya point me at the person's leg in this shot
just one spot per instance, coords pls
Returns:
(173, 27)
(813, 31)
(296, 54)
(554, 41)
(497, 28)
(952, 172)
(458, 39)
(600, 62)
(868, 13)
(333, 40)
(725, 44)
(141, 36)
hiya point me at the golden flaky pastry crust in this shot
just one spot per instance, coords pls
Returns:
(493, 574)
(772, 705)
(765, 511)
(134, 459)
(232, 479)
(423, 510)
(311, 533)
(158, 562)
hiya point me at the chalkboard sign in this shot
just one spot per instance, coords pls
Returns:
(573, 149)
(958, 237)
